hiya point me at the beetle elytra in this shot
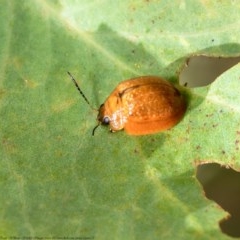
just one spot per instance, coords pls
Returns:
(140, 106)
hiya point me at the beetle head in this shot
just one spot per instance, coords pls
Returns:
(102, 118)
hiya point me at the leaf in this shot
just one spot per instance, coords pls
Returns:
(59, 181)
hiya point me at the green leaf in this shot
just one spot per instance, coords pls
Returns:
(56, 179)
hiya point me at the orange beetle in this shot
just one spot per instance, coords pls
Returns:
(142, 105)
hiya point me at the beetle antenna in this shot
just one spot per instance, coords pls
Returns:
(79, 89)
(93, 131)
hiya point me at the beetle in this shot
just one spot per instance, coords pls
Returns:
(140, 106)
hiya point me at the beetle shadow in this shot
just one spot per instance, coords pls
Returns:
(148, 144)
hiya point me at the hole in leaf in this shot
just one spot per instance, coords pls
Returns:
(222, 185)
(202, 70)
